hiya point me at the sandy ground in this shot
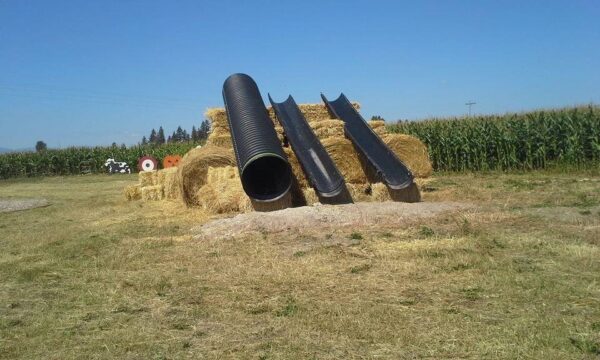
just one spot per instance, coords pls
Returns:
(10, 205)
(322, 217)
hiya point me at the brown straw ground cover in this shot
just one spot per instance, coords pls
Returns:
(96, 276)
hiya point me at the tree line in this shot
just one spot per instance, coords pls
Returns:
(178, 136)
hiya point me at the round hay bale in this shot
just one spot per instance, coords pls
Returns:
(193, 169)
(346, 159)
(412, 152)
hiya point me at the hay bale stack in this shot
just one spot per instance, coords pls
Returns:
(133, 192)
(153, 192)
(223, 192)
(412, 152)
(193, 170)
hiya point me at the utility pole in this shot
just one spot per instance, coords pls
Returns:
(469, 104)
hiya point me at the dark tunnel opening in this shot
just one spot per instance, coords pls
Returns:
(267, 178)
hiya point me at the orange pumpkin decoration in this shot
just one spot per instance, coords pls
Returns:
(171, 161)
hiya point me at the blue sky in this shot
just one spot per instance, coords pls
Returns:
(93, 72)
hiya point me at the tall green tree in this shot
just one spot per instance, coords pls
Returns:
(153, 137)
(204, 130)
(40, 146)
(160, 137)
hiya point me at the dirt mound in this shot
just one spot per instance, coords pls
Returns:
(320, 218)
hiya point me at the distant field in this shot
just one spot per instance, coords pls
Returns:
(529, 140)
(94, 276)
(73, 159)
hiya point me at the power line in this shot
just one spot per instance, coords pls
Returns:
(469, 104)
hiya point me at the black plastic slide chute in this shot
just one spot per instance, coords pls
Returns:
(319, 168)
(264, 169)
(386, 165)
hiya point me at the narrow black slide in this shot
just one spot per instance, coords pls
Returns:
(316, 163)
(385, 164)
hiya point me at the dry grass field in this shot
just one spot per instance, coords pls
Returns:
(94, 276)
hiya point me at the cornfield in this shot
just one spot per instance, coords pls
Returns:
(513, 141)
(75, 160)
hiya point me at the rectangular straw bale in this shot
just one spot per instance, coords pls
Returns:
(324, 128)
(380, 192)
(217, 117)
(223, 141)
(296, 167)
(132, 192)
(219, 131)
(168, 178)
(153, 192)
(360, 192)
(310, 195)
(147, 178)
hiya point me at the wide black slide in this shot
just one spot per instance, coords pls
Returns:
(386, 165)
(316, 163)
(264, 170)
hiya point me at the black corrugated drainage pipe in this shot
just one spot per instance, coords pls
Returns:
(264, 169)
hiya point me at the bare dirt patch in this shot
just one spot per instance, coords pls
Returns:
(10, 205)
(318, 218)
